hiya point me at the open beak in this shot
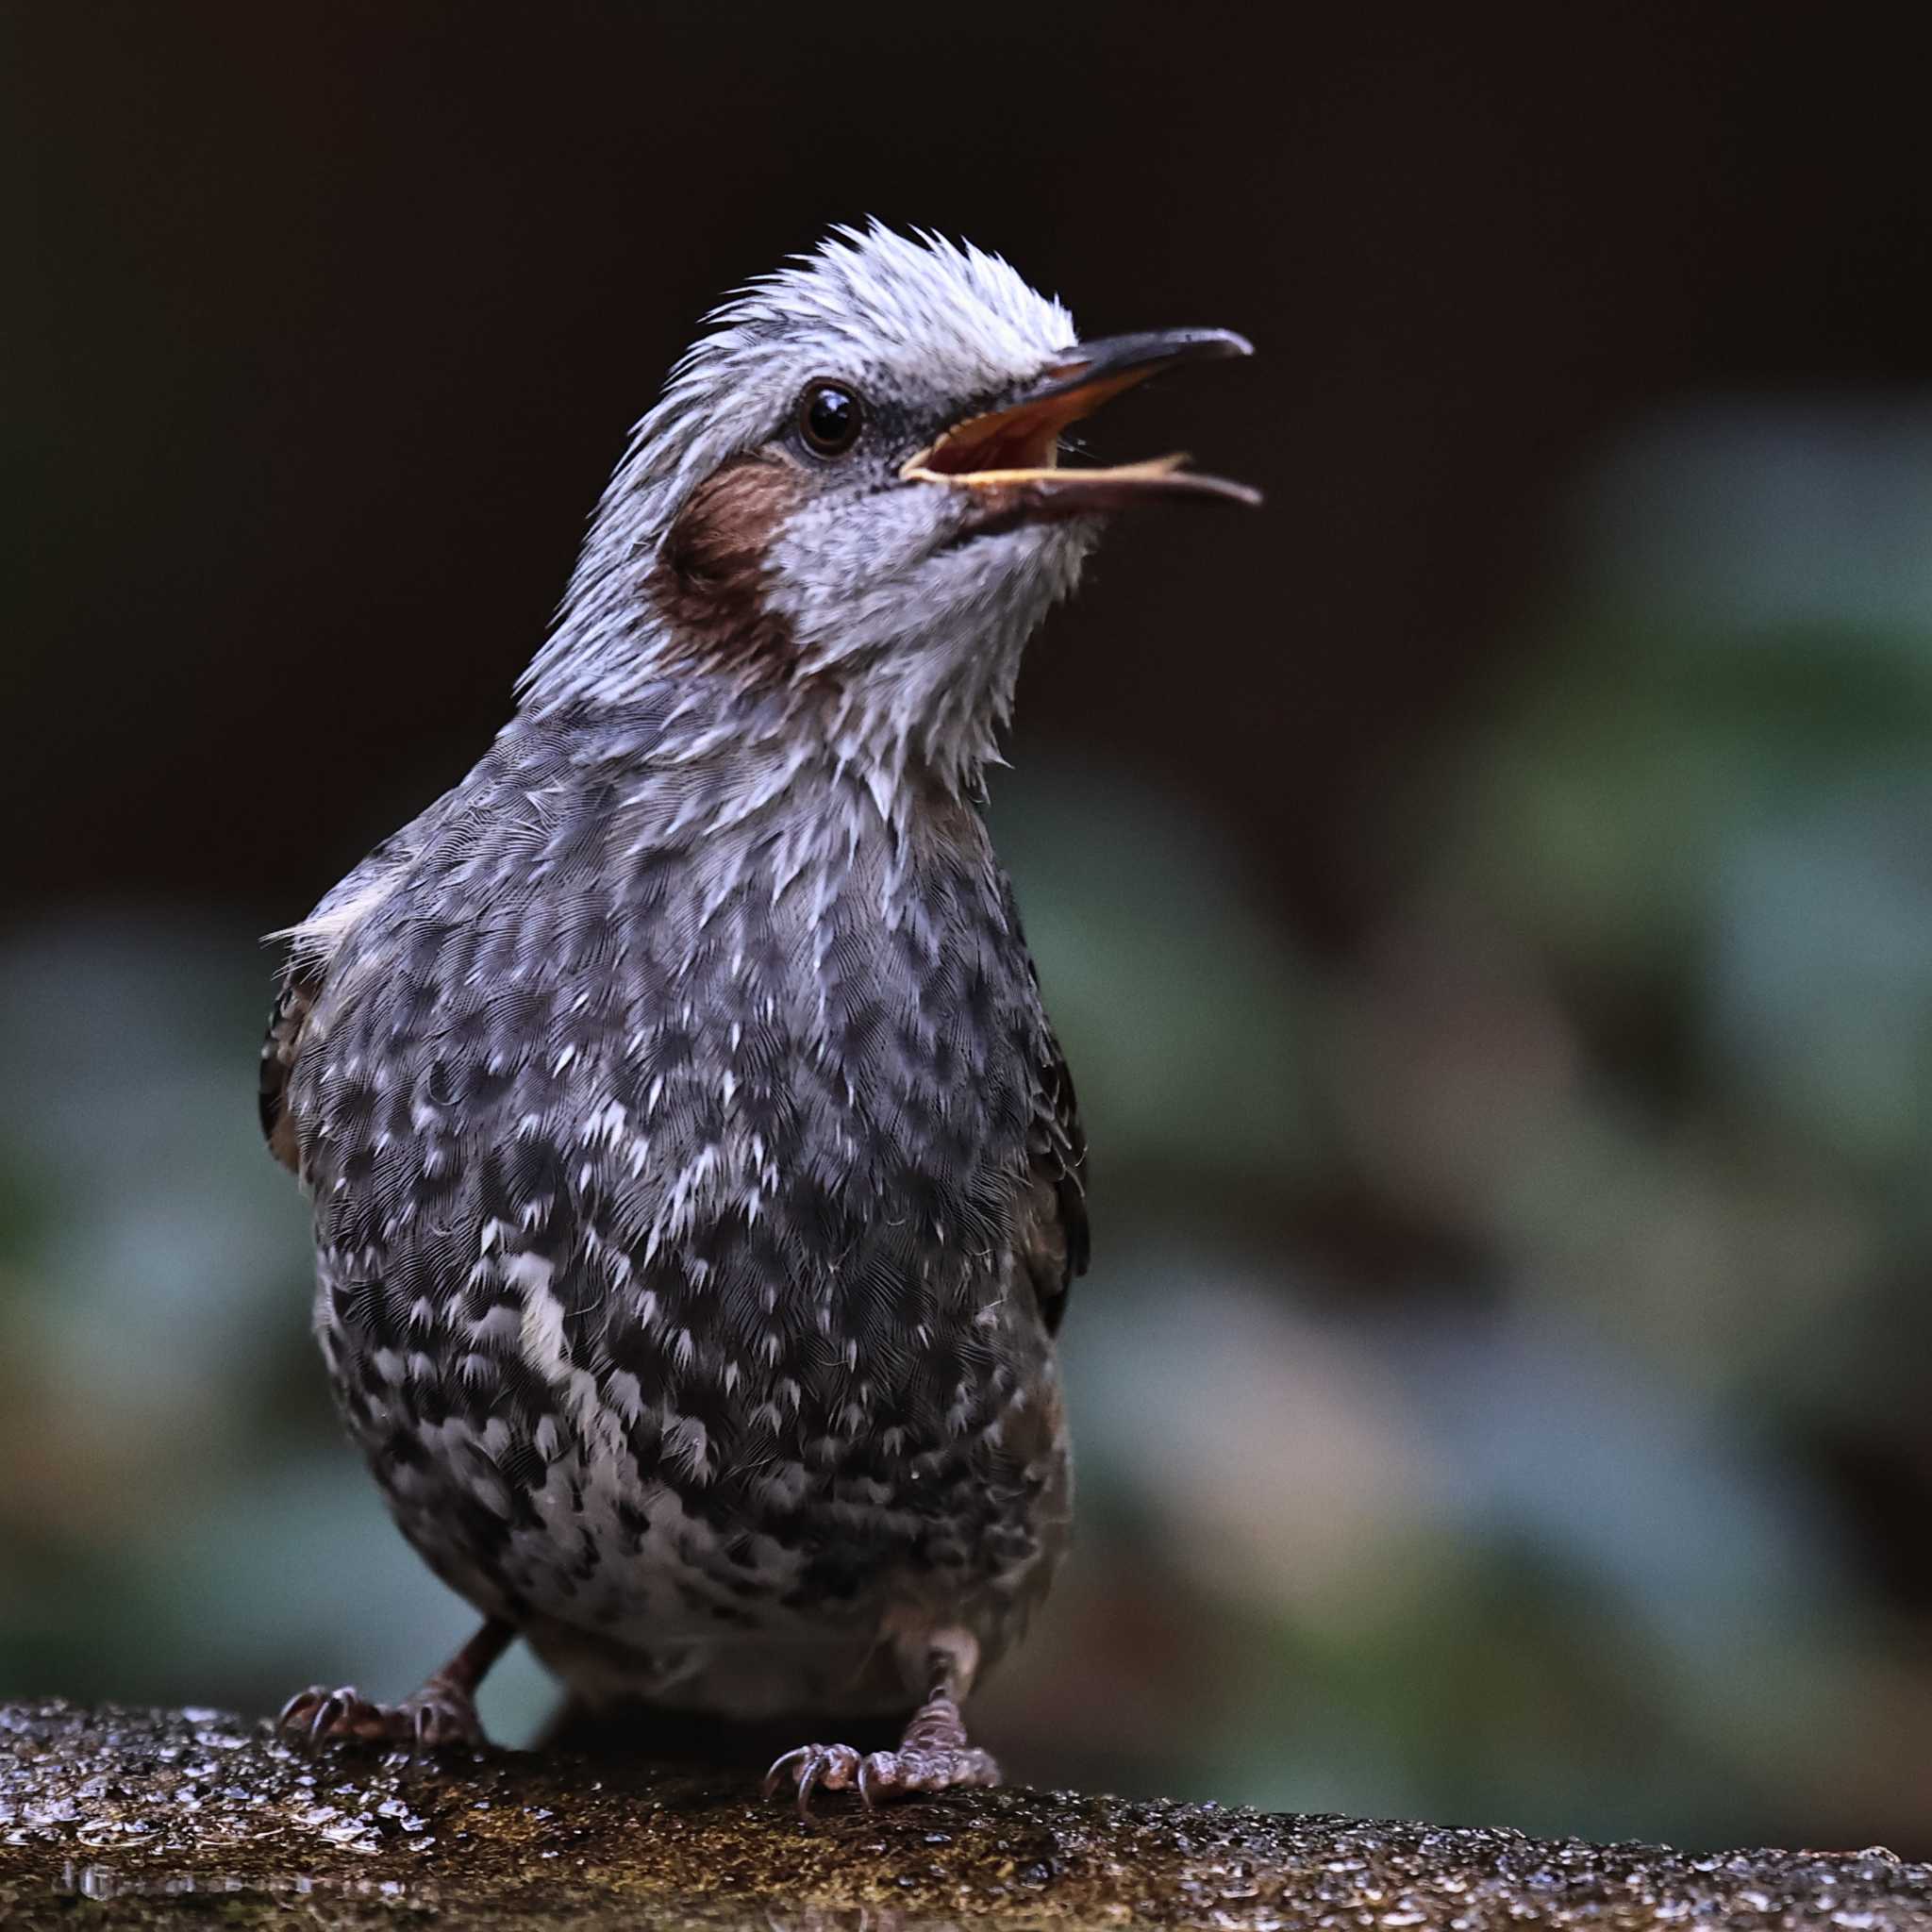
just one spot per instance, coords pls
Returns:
(1008, 458)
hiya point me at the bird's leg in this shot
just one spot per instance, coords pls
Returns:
(935, 1753)
(443, 1712)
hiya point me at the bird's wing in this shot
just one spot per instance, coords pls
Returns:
(294, 1001)
(1060, 1245)
(315, 947)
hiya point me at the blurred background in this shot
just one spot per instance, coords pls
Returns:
(1487, 902)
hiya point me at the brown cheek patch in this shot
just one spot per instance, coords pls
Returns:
(712, 571)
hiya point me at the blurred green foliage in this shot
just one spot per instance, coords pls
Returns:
(1537, 1515)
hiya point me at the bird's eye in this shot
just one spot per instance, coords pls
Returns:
(830, 418)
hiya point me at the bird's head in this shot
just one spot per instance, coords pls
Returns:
(850, 492)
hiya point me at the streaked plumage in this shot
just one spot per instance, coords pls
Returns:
(696, 1175)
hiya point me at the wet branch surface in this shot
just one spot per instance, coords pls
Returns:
(129, 1818)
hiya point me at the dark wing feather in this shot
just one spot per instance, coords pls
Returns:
(1061, 1241)
(301, 984)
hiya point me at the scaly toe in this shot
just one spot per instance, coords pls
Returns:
(439, 1720)
(947, 1770)
(880, 1775)
(914, 1770)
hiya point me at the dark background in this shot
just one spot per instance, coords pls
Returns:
(1486, 898)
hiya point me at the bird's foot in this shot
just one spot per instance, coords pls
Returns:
(441, 1714)
(438, 1716)
(934, 1755)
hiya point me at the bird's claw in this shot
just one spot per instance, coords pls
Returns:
(436, 1717)
(832, 1767)
(319, 1712)
(880, 1775)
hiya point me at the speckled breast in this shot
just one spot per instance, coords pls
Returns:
(672, 1199)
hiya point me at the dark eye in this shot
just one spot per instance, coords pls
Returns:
(830, 418)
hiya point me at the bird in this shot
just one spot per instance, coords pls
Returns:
(696, 1178)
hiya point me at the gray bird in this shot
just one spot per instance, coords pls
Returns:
(695, 1176)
